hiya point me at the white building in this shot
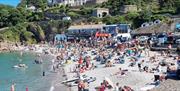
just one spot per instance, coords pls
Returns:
(70, 2)
(32, 8)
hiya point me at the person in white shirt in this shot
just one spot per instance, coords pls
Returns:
(117, 88)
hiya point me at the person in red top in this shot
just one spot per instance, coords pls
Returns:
(102, 87)
(80, 60)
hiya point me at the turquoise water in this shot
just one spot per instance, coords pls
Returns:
(31, 77)
(10, 2)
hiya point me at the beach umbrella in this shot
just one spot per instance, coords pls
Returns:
(109, 81)
(27, 89)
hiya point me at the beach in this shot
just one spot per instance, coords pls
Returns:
(137, 80)
(75, 62)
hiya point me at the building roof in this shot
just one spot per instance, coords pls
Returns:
(178, 25)
(97, 26)
(60, 37)
(159, 28)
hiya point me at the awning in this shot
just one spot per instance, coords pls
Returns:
(102, 34)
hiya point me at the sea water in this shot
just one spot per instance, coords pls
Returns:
(30, 77)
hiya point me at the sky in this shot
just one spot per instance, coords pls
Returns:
(10, 2)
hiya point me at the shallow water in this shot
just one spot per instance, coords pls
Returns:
(30, 77)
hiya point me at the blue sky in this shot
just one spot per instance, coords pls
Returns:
(10, 2)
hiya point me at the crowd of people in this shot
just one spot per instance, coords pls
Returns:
(103, 50)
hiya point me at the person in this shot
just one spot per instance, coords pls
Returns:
(147, 51)
(27, 89)
(43, 73)
(80, 85)
(54, 68)
(127, 88)
(86, 86)
(121, 72)
(116, 87)
(13, 87)
(169, 50)
(156, 76)
(139, 66)
(102, 87)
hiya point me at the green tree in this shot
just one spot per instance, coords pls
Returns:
(16, 17)
(93, 19)
(73, 15)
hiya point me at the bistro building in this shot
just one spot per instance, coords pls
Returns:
(122, 30)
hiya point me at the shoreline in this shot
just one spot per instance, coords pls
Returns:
(52, 77)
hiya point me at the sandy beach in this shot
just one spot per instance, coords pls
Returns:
(133, 78)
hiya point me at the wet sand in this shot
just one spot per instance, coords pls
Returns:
(55, 78)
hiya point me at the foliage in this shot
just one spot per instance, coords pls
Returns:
(23, 24)
(131, 15)
(94, 20)
(10, 16)
(41, 4)
(86, 11)
(18, 33)
(59, 9)
(73, 15)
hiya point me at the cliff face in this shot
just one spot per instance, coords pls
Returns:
(37, 31)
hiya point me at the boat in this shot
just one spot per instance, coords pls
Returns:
(20, 66)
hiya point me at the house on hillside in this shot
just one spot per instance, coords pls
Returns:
(76, 2)
(69, 2)
(32, 8)
(89, 2)
(128, 8)
(66, 18)
(100, 12)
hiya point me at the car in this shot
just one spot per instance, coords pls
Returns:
(178, 41)
(154, 39)
(143, 38)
